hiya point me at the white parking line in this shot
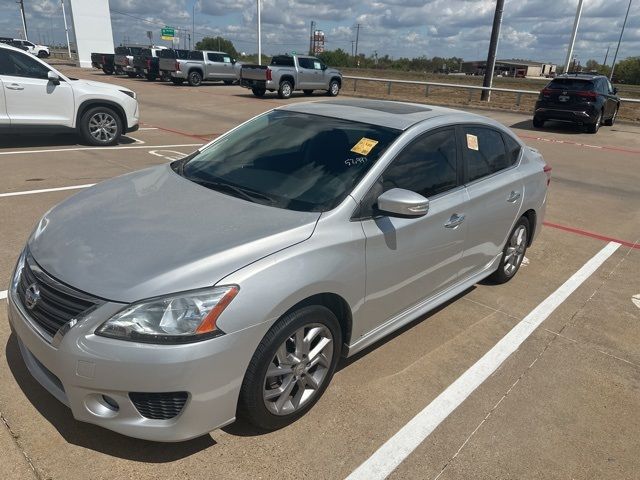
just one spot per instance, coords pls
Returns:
(3, 295)
(397, 448)
(78, 149)
(45, 190)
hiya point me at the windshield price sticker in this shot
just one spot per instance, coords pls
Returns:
(364, 146)
(472, 142)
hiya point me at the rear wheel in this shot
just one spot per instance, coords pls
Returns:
(285, 89)
(308, 93)
(101, 126)
(291, 368)
(594, 127)
(107, 71)
(612, 120)
(513, 252)
(195, 79)
(538, 122)
(258, 92)
(150, 77)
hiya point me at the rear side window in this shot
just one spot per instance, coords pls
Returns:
(575, 84)
(282, 61)
(484, 152)
(196, 55)
(168, 53)
(513, 149)
(427, 166)
(121, 50)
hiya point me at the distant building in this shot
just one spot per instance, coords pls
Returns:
(512, 68)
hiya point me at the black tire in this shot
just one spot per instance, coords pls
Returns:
(258, 92)
(86, 132)
(150, 77)
(195, 79)
(132, 74)
(252, 405)
(177, 81)
(107, 71)
(334, 88)
(308, 93)
(538, 122)
(43, 54)
(595, 126)
(612, 120)
(285, 90)
(229, 82)
(502, 274)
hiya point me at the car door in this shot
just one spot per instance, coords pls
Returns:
(612, 100)
(319, 80)
(227, 70)
(495, 195)
(306, 74)
(31, 99)
(215, 66)
(411, 259)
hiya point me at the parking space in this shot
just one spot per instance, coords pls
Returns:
(564, 405)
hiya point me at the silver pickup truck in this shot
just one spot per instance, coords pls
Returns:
(287, 73)
(205, 65)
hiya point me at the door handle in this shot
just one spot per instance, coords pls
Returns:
(513, 196)
(15, 86)
(454, 221)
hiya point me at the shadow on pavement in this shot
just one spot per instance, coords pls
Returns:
(91, 436)
(550, 127)
(32, 140)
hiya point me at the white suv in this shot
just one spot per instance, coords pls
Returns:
(41, 51)
(33, 95)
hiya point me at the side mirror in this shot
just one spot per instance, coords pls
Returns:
(324, 67)
(615, 90)
(399, 202)
(53, 77)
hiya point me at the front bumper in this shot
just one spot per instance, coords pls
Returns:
(85, 367)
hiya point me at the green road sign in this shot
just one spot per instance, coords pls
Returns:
(167, 33)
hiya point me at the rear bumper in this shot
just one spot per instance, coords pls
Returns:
(250, 83)
(584, 115)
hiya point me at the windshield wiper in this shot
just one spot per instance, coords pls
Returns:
(241, 192)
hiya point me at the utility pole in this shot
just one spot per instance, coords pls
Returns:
(357, 38)
(615, 57)
(572, 42)
(606, 55)
(24, 19)
(66, 28)
(193, 24)
(259, 35)
(352, 42)
(311, 37)
(493, 47)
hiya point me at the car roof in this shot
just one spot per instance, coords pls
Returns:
(580, 76)
(385, 113)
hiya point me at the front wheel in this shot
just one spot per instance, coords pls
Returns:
(291, 368)
(538, 122)
(334, 88)
(43, 54)
(285, 89)
(101, 126)
(258, 92)
(513, 252)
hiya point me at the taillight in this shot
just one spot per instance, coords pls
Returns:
(269, 74)
(547, 172)
(546, 92)
(589, 96)
(177, 66)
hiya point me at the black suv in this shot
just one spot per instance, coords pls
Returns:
(580, 98)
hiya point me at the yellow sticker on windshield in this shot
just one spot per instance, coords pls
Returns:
(472, 142)
(364, 146)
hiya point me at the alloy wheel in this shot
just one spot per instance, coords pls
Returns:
(515, 250)
(298, 369)
(103, 127)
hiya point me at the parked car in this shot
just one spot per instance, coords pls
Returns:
(124, 60)
(41, 51)
(104, 62)
(205, 65)
(145, 63)
(287, 73)
(167, 61)
(36, 96)
(294, 248)
(585, 99)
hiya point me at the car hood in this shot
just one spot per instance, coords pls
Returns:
(104, 86)
(154, 232)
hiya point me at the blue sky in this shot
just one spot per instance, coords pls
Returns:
(532, 29)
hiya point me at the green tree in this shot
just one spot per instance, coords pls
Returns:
(628, 71)
(218, 44)
(336, 58)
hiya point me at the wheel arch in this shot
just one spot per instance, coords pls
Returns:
(338, 79)
(531, 217)
(87, 104)
(288, 78)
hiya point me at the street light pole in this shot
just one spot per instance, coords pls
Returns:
(572, 42)
(493, 47)
(24, 20)
(66, 28)
(615, 57)
(193, 24)
(259, 35)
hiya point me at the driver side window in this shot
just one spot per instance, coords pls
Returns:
(22, 65)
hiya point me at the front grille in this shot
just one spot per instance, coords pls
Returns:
(159, 406)
(57, 304)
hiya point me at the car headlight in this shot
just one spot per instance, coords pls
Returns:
(179, 318)
(130, 93)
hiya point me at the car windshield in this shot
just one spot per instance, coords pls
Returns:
(290, 160)
(574, 84)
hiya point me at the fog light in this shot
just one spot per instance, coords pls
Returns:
(111, 403)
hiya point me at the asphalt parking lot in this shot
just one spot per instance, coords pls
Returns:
(564, 405)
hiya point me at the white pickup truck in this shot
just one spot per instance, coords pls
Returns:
(36, 97)
(205, 65)
(287, 73)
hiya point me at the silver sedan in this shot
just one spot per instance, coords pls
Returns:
(163, 303)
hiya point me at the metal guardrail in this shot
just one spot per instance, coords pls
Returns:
(471, 88)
